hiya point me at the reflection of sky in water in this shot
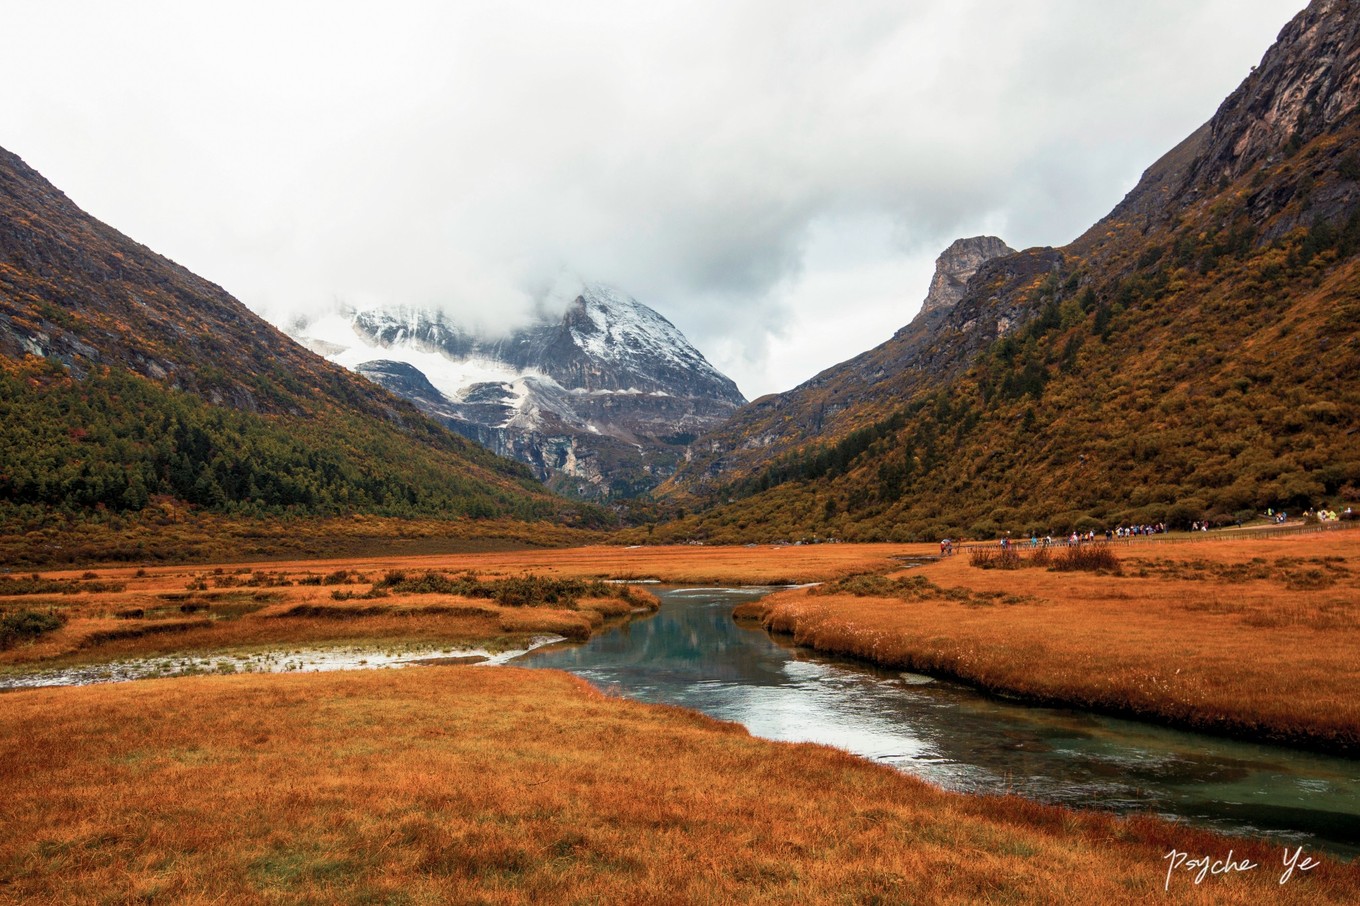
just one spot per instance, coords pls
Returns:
(691, 653)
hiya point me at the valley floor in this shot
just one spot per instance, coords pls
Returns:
(451, 784)
(159, 611)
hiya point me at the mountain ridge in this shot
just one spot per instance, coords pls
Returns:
(127, 378)
(1192, 356)
(846, 396)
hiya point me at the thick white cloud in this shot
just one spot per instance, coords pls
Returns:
(775, 177)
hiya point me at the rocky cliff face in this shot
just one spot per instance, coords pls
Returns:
(956, 266)
(600, 402)
(855, 392)
(1306, 85)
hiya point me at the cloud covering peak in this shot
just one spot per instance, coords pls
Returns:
(775, 177)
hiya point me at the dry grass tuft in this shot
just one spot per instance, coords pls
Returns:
(1094, 558)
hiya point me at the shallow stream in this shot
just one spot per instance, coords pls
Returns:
(691, 653)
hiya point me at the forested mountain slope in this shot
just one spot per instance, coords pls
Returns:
(126, 380)
(1195, 355)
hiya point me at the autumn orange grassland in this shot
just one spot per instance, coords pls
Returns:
(460, 785)
(127, 612)
(1255, 638)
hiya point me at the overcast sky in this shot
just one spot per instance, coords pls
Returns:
(776, 177)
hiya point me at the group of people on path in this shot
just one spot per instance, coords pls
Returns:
(1133, 531)
(1072, 540)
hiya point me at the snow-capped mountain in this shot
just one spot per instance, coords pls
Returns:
(601, 401)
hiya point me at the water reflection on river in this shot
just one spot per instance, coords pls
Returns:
(691, 653)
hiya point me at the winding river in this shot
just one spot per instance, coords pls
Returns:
(691, 653)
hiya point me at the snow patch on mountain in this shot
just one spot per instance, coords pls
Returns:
(619, 330)
(336, 337)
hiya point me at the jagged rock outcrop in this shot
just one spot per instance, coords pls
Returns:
(956, 266)
(1305, 85)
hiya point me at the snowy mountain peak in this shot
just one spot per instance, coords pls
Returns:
(609, 378)
(614, 329)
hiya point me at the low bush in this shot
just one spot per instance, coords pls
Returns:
(528, 590)
(23, 625)
(37, 585)
(1091, 558)
(995, 558)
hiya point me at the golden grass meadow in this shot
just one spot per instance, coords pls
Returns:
(453, 784)
(460, 785)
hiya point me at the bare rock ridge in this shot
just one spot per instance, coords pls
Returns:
(600, 401)
(956, 266)
(1305, 85)
(843, 396)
